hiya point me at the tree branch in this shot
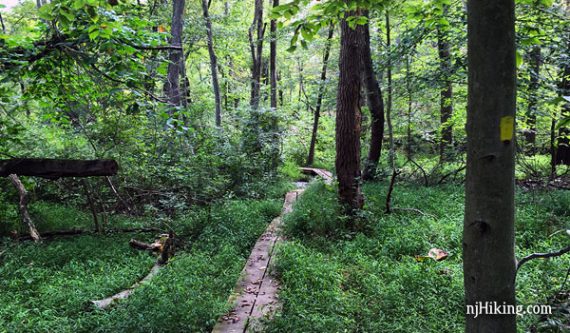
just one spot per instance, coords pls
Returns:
(542, 256)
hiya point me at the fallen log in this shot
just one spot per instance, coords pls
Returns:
(57, 168)
(23, 207)
(154, 247)
(106, 302)
(166, 243)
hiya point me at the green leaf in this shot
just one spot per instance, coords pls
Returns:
(93, 34)
(519, 59)
(563, 123)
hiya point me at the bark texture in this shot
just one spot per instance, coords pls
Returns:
(53, 168)
(213, 62)
(446, 93)
(392, 152)
(488, 236)
(348, 118)
(535, 62)
(256, 32)
(562, 156)
(320, 96)
(375, 105)
(176, 95)
(273, 60)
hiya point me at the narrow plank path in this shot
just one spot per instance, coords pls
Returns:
(255, 294)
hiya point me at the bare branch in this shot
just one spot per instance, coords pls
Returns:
(542, 256)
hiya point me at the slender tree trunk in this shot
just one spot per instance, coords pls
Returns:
(562, 156)
(375, 104)
(273, 60)
(446, 99)
(348, 118)
(535, 59)
(256, 48)
(391, 153)
(320, 96)
(172, 88)
(553, 146)
(488, 234)
(91, 204)
(409, 115)
(23, 207)
(213, 63)
(2, 23)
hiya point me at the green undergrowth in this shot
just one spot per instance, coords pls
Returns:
(370, 281)
(47, 287)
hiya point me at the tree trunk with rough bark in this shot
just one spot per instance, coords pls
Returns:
(489, 262)
(562, 156)
(273, 60)
(176, 95)
(348, 118)
(213, 62)
(256, 32)
(320, 96)
(391, 153)
(375, 104)
(446, 93)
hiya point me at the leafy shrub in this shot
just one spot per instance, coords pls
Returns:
(316, 214)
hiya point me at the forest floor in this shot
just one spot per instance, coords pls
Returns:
(332, 279)
(378, 279)
(48, 287)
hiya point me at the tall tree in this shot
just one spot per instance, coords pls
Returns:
(348, 117)
(446, 93)
(256, 48)
(562, 154)
(391, 153)
(488, 232)
(530, 117)
(213, 62)
(176, 67)
(273, 60)
(375, 104)
(320, 96)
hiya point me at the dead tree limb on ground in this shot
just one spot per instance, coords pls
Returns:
(167, 250)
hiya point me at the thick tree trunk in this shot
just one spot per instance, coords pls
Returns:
(348, 119)
(488, 234)
(213, 63)
(256, 48)
(530, 135)
(176, 96)
(391, 153)
(23, 207)
(375, 104)
(320, 96)
(446, 93)
(51, 168)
